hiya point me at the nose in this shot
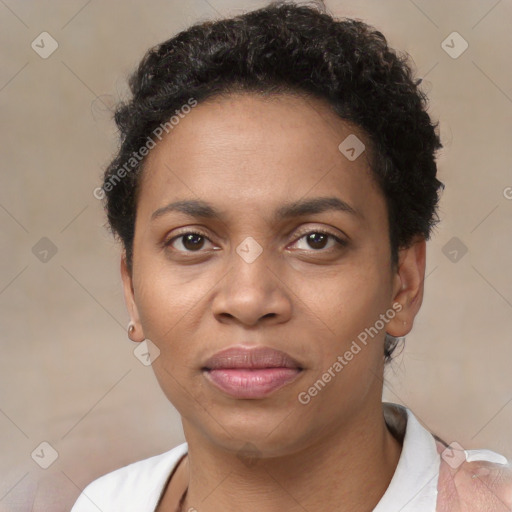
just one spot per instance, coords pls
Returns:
(252, 292)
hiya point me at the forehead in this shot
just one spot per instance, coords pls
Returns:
(248, 151)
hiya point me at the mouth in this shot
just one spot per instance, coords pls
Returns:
(251, 373)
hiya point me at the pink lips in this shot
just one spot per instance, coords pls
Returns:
(250, 372)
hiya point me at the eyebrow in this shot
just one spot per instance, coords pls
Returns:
(202, 209)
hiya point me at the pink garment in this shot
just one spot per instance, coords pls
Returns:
(477, 486)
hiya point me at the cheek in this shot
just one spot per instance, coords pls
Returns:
(356, 298)
(166, 307)
(166, 299)
(350, 355)
(351, 306)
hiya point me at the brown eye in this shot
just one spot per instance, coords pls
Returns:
(318, 240)
(190, 242)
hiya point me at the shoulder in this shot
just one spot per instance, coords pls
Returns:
(473, 481)
(136, 486)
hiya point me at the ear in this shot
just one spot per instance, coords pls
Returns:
(408, 287)
(129, 296)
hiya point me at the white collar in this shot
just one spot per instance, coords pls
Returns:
(413, 487)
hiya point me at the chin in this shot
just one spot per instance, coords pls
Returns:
(266, 433)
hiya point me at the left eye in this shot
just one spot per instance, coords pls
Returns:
(191, 241)
(318, 240)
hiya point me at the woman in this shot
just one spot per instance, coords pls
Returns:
(273, 193)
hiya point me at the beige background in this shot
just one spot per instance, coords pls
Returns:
(68, 375)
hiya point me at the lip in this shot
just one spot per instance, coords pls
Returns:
(254, 372)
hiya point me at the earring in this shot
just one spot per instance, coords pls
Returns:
(131, 328)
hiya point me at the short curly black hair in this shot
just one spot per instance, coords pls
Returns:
(288, 48)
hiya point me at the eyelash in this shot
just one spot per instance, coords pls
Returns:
(342, 243)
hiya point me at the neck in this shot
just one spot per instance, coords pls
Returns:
(347, 469)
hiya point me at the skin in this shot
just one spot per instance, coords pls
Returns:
(247, 156)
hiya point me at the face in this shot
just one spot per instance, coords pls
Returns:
(258, 260)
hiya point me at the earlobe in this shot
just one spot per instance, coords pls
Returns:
(408, 287)
(135, 332)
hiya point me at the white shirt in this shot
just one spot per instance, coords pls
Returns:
(413, 488)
